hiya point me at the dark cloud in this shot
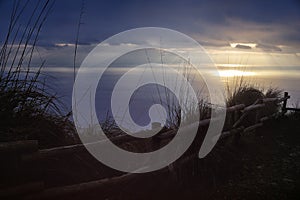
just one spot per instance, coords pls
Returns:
(241, 46)
(212, 23)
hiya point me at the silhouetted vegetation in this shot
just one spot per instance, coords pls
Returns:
(29, 108)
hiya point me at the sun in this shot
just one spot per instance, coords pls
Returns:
(234, 73)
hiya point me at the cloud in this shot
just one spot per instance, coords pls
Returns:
(268, 47)
(64, 45)
(243, 45)
(240, 46)
(272, 25)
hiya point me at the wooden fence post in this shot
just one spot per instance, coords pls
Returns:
(286, 96)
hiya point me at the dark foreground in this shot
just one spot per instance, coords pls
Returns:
(263, 165)
(270, 165)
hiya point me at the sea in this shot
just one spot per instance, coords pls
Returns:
(284, 78)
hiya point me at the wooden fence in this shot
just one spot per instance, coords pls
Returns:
(22, 157)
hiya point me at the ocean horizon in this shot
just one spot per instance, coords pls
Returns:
(276, 77)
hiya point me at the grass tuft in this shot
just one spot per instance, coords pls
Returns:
(28, 110)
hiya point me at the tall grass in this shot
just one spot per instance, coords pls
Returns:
(242, 91)
(28, 109)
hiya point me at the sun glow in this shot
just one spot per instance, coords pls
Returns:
(234, 73)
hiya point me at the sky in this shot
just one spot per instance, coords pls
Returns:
(251, 32)
(251, 38)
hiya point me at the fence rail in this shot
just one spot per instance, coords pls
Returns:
(27, 151)
(79, 147)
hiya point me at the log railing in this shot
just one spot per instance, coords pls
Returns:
(28, 152)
